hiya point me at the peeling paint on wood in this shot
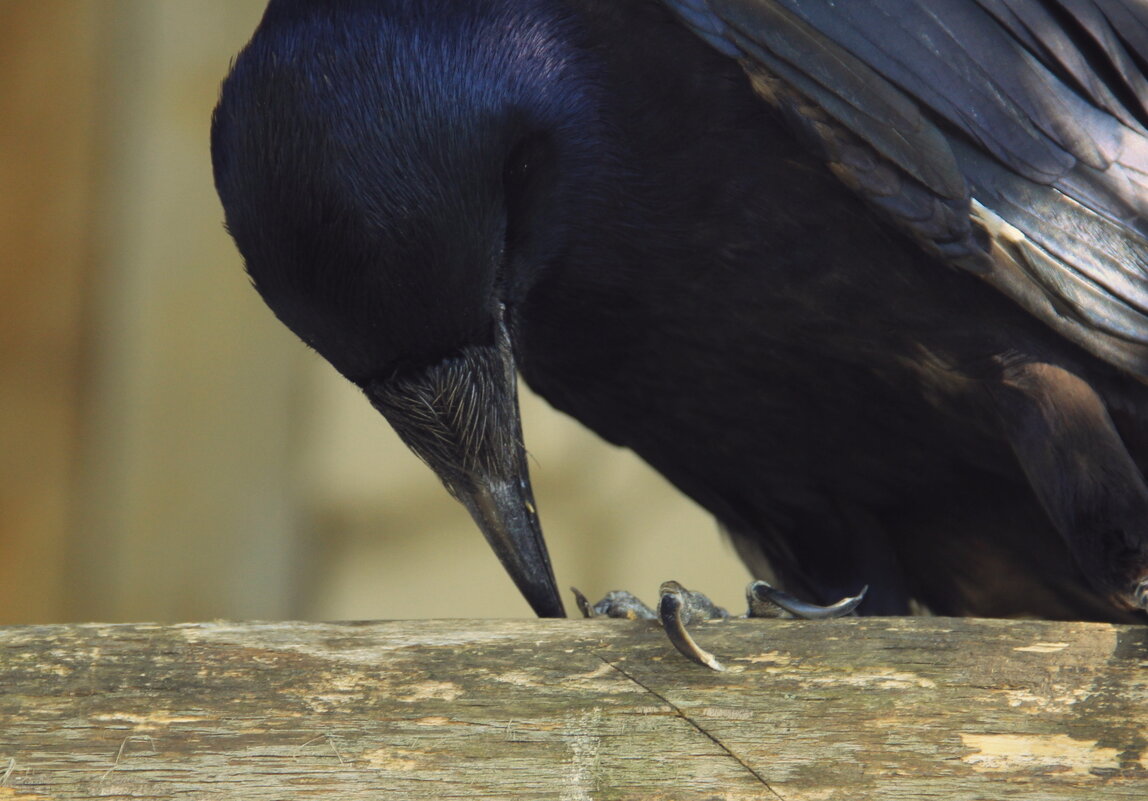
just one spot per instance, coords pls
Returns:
(1028, 754)
(852, 709)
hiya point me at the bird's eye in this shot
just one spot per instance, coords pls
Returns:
(518, 167)
(527, 172)
(523, 165)
(528, 175)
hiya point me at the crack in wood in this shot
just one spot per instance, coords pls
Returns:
(123, 747)
(330, 743)
(701, 729)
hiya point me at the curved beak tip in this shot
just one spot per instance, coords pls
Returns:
(505, 514)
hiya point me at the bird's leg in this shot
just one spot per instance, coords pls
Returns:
(1087, 482)
(679, 607)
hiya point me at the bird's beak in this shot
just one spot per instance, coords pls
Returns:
(461, 417)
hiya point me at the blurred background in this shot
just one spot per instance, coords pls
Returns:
(167, 450)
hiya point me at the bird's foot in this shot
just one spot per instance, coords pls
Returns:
(617, 604)
(1140, 595)
(679, 607)
(1131, 598)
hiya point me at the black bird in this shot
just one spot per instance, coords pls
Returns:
(868, 280)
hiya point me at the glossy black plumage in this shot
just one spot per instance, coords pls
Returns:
(866, 279)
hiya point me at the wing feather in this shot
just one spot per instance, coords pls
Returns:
(1008, 136)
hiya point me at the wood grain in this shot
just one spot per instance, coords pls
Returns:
(852, 709)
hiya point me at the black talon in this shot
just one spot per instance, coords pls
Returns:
(677, 609)
(583, 603)
(764, 599)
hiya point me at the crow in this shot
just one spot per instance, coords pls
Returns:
(867, 280)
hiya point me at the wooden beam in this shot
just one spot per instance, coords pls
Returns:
(886, 708)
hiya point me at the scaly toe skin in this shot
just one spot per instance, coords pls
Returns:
(616, 604)
(759, 601)
(678, 608)
(766, 600)
(696, 605)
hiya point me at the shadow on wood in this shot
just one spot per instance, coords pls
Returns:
(889, 708)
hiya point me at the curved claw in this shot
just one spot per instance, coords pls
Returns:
(765, 599)
(583, 603)
(677, 608)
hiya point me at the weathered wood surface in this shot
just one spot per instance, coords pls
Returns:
(850, 709)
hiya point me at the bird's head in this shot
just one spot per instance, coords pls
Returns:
(393, 173)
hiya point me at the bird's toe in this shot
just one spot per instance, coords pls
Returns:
(679, 607)
(765, 600)
(616, 604)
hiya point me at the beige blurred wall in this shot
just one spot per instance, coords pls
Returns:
(167, 450)
(47, 83)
